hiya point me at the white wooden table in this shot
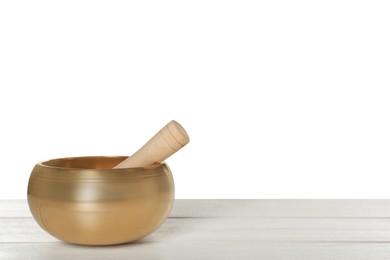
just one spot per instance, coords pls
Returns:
(225, 229)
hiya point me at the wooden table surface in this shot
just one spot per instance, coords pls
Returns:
(225, 229)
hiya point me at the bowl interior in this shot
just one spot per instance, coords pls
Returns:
(88, 162)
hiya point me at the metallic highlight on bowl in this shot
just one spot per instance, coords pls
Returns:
(82, 200)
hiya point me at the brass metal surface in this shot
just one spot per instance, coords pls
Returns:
(82, 200)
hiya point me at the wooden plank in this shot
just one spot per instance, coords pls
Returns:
(225, 229)
(281, 208)
(14, 208)
(196, 250)
(25, 230)
(250, 208)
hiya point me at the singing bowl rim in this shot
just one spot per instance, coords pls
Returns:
(51, 168)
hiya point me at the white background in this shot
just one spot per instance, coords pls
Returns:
(282, 99)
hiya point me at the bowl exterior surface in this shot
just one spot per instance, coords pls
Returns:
(82, 200)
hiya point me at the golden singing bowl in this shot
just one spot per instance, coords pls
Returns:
(82, 200)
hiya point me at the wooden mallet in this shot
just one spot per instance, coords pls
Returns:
(170, 139)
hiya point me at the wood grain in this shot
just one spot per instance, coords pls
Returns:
(170, 139)
(225, 229)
